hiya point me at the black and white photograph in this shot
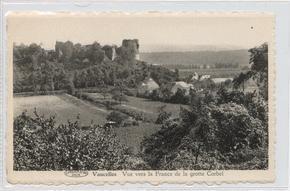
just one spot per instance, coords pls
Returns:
(118, 92)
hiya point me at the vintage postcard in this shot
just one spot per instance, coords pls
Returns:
(140, 97)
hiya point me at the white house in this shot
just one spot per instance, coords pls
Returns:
(221, 80)
(147, 86)
(195, 76)
(204, 77)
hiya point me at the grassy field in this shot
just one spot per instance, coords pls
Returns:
(151, 106)
(67, 107)
(64, 107)
(148, 107)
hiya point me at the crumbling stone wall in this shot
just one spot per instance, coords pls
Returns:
(110, 51)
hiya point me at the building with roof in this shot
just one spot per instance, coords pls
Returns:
(181, 85)
(195, 76)
(204, 77)
(147, 87)
(221, 80)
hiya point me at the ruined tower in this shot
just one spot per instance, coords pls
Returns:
(130, 49)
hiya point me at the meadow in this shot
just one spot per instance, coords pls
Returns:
(145, 106)
(62, 106)
(66, 107)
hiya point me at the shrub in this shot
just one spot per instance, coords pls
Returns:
(137, 115)
(163, 115)
(179, 97)
(209, 137)
(117, 117)
(236, 129)
(161, 144)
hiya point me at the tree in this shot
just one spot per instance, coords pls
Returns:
(39, 144)
(259, 70)
(176, 72)
(98, 76)
(160, 144)
(166, 92)
(240, 80)
(117, 117)
(162, 115)
(155, 95)
(112, 78)
(209, 137)
(84, 78)
(119, 97)
(90, 77)
(119, 92)
(104, 90)
(180, 97)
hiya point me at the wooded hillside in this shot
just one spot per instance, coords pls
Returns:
(72, 66)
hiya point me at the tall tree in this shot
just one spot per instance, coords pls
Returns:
(258, 70)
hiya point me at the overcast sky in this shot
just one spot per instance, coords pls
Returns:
(155, 33)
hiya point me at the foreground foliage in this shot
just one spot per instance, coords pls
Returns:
(209, 136)
(226, 130)
(41, 145)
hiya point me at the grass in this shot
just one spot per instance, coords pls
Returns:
(151, 106)
(146, 106)
(60, 105)
(132, 136)
(67, 107)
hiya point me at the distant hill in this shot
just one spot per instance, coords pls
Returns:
(240, 57)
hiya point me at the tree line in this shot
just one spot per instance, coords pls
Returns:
(71, 66)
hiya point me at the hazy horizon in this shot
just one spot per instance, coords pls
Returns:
(150, 48)
(155, 33)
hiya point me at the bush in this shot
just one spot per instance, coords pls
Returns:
(236, 129)
(179, 97)
(117, 117)
(137, 115)
(209, 137)
(129, 92)
(163, 115)
(41, 145)
(161, 144)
